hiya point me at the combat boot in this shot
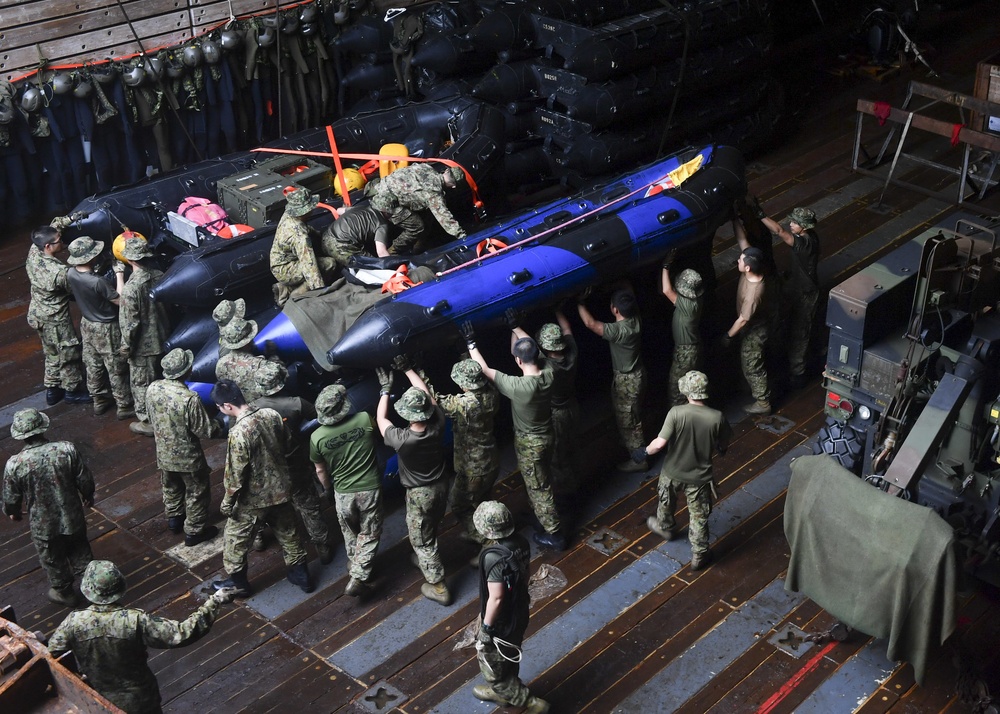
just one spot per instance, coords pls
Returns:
(207, 533)
(325, 552)
(142, 428)
(176, 524)
(78, 396)
(552, 541)
(125, 413)
(701, 561)
(62, 597)
(761, 406)
(237, 581)
(102, 405)
(54, 395)
(536, 706)
(438, 592)
(484, 692)
(299, 575)
(654, 526)
(357, 588)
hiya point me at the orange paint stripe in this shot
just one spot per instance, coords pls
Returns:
(794, 681)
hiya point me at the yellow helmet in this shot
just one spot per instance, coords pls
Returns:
(387, 166)
(354, 179)
(119, 244)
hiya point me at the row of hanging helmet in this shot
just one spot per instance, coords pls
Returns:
(304, 21)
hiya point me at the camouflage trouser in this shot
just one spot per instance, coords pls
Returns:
(801, 311)
(290, 275)
(61, 348)
(360, 517)
(425, 507)
(240, 529)
(565, 469)
(626, 398)
(306, 502)
(412, 229)
(752, 350)
(502, 674)
(534, 459)
(63, 557)
(699, 503)
(340, 253)
(686, 358)
(143, 370)
(188, 494)
(101, 342)
(467, 492)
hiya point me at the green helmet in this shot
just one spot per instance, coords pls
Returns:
(493, 520)
(332, 405)
(689, 284)
(28, 422)
(694, 385)
(415, 405)
(103, 583)
(805, 217)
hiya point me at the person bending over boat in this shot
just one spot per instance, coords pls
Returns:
(360, 230)
(293, 262)
(405, 192)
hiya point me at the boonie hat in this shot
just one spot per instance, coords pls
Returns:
(693, 385)
(415, 405)
(689, 284)
(176, 363)
(226, 310)
(493, 520)
(236, 333)
(83, 250)
(300, 202)
(468, 374)
(805, 217)
(136, 249)
(270, 378)
(331, 405)
(550, 337)
(28, 422)
(102, 583)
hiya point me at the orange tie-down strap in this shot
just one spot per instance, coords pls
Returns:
(399, 282)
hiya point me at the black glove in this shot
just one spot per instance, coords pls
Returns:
(270, 349)
(668, 259)
(725, 341)
(639, 455)
(582, 297)
(469, 333)
(756, 208)
(384, 379)
(512, 317)
(485, 634)
(78, 216)
(402, 363)
(222, 430)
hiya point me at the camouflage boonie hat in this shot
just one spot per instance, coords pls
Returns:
(493, 520)
(103, 583)
(28, 422)
(136, 249)
(176, 363)
(300, 202)
(332, 406)
(693, 385)
(805, 217)
(226, 310)
(455, 173)
(468, 374)
(83, 250)
(689, 284)
(550, 337)
(415, 405)
(237, 333)
(270, 378)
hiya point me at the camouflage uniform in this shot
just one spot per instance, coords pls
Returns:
(360, 517)
(179, 420)
(110, 644)
(425, 507)
(355, 233)
(48, 315)
(241, 367)
(49, 478)
(143, 324)
(293, 262)
(405, 192)
(476, 459)
(258, 488)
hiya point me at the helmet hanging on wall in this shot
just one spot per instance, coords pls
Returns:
(192, 56)
(230, 39)
(31, 100)
(154, 67)
(211, 51)
(83, 88)
(104, 73)
(134, 76)
(267, 37)
(62, 83)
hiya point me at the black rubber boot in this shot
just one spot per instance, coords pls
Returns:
(299, 575)
(237, 581)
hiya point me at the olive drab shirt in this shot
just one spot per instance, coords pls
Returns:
(257, 473)
(803, 275)
(143, 321)
(624, 337)
(418, 188)
(49, 287)
(694, 432)
(48, 478)
(179, 420)
(530, 400)
(110, 642)
(687, 316)
(292, 252)
(472, 415)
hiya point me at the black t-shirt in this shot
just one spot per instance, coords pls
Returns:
(421, 455)
(506, 561)
(803, 275)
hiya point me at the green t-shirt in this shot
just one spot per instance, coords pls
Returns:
(421, 454)
(625, 340)
(693, 433)
(348, 449)
(684, 326)
(530, 400)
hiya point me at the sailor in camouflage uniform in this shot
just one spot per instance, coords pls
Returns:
(143, 323)
(405, 192)
(48, 315)
(752, 324)
(179, 421)
(562, 356)
(530, 397)
(293, 262)
(296, 411)
(685, 324)
(51, 481)
(423, 473)
(110, 641)
(694, 432)
(258, 489)
(225, 312)
(239, 363)
(99, 327)
(342, 450)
